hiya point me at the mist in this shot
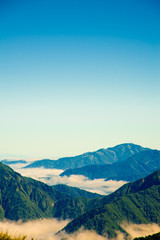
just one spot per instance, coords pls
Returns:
(138, 230)
(38, 229)
(46, 229)
(51, 177)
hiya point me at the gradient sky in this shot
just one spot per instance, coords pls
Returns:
(78, 75)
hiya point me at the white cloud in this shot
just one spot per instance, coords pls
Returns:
(97, 185)
(38, 229)
(46, 229)
(40, 174)
(138, 230)
(51, 177)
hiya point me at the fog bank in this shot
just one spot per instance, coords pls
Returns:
(46, 229)
(51, 177)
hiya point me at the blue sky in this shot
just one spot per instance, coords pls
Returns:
(76, 76)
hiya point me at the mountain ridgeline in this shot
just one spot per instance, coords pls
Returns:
(75, 192)
(24, 198)
(10, 162)
(100, 157)
(137, 202)
(135, 167)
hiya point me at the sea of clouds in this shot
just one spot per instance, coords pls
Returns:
(52, 177)
(47, 229)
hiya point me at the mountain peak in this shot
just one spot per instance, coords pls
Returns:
(102, 156)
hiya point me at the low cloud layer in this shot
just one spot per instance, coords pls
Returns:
(135, 230)
(51, 177)
(41, 174)
(46, 230)
(97, 185)
(39, 229)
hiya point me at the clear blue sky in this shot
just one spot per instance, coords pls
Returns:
(78, 75)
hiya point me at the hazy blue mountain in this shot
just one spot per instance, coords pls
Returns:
(24, 198)
(75, 192)
(102, 156)
(137, 202)
(9, 162)
(135, 167)
(46, 163)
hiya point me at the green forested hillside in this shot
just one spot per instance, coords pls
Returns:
(25, 198)
(133, 187)
(138, 202)
(75, 192)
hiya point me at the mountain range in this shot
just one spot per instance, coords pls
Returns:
(135, 202)
(137, 166)
(102, 156)
(24, 198)
(127, 162)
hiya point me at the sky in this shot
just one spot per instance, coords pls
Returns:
(76, 76)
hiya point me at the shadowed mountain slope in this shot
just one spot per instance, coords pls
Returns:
(135, 167)
(75, 192)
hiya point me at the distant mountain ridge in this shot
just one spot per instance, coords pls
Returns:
(9, 162)
(102, 156)
(137, 202)
(137, 166)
